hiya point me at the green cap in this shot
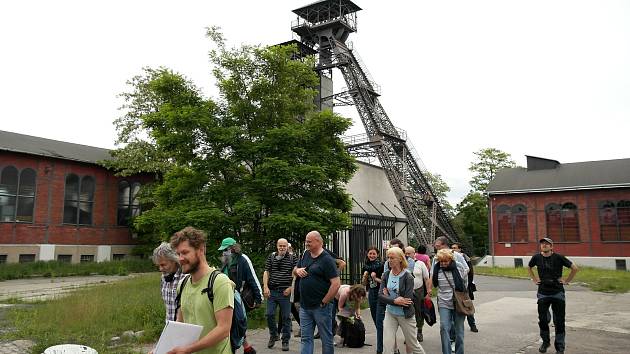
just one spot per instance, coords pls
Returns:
(227, 242)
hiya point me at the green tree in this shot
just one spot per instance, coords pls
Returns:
(242, 165)
(489, 162)
(440, 189)
(472, 219)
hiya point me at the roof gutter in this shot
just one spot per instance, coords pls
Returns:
(561, 189)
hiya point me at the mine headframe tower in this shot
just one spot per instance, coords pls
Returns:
(325, 26)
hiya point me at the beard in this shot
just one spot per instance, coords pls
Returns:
(226, 259)
(191, 267)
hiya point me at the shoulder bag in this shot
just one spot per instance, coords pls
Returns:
(463, 303)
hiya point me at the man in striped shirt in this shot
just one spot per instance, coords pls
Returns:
(168, 263)
(277, 280)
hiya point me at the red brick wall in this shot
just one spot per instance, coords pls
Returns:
(588, 218)
(47, 226)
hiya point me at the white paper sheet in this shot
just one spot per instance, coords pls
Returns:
(177, 334)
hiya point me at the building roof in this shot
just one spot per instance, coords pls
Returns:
(543, 175)
(33, 145)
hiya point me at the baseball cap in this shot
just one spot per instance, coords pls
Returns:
(546, 239)
(227, 242)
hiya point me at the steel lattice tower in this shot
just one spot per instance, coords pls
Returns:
(324, 27)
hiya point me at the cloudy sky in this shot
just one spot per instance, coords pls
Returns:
(542, 78)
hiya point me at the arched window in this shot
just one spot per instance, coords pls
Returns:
(505, 223)
(79, 200)
(562, 222)
(608, 221)
(512, 223)
(128, 203)
(614, 220)
(17, 194)
(519, 217)
(623, 217)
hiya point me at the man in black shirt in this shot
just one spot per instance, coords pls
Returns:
(550, 291)
(319, 282)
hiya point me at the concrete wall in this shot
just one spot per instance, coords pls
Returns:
(49, 252)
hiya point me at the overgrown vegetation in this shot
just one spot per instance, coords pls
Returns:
(94, 315)
(63, 269)
(596, 279)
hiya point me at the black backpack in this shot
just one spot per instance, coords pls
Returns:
(239, 316)
(353, 333)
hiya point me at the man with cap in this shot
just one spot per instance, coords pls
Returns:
(550, 291)
(238, 267)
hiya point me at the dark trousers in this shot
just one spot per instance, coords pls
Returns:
(380, 317)
(294, 312)
(277, 298)
(373, 301)
(558, 308)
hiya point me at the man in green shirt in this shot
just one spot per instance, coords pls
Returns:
(196, 308)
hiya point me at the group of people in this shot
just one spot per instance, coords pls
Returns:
(309, 287)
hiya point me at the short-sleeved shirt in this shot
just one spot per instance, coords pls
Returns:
(315, 285)
(280, 269)
(420, 272)
(393, 283)
(197, 309)
(550, 272)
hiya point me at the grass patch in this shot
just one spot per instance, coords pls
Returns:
(62, 269)
(93, 315)
(604, 280)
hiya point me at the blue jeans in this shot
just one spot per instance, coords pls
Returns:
(448, 317)
(322, 317)
(380, 317)
(276, 297)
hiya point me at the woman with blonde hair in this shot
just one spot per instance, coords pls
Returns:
(397, 292)
(447, 277)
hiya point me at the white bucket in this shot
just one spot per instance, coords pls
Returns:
(70, 349)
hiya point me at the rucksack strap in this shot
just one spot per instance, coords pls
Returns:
(179, 293)
(209, 290)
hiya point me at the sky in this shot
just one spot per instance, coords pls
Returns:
(540, 78)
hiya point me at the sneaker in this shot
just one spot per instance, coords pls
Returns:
(420, 337)
(285, 346)
(473, 328)
(452, 347)
(250, 350)
(298, 333)
(272, 342)
(559, 351)
(543, 347)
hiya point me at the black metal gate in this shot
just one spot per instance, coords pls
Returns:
(351, 245)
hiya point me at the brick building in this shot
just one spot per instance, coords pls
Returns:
(584, 207)
(58, 203)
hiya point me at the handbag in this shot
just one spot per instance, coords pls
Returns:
(247, 295)
(463, 303)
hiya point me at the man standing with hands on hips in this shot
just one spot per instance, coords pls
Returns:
(551, 291)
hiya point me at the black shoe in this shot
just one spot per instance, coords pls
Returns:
(316, 336)
(285, 346)
(272, 342)
(250, 351)
(543, 347)
(473, 328)
(420, 337)
(559, 351)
